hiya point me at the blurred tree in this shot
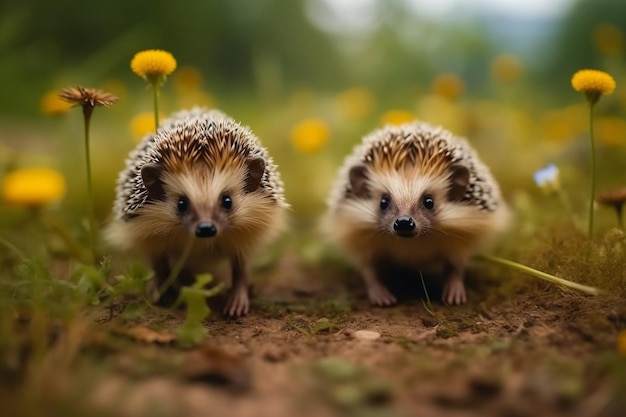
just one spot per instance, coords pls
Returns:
(409, 49)
(81, 42)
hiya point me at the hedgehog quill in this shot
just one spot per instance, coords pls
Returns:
(413, 196)
(202, 176)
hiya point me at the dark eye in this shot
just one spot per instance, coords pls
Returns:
(428, 202)
(227, 202)
(183, 204)
(384, 202)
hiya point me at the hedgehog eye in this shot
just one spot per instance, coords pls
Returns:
(428, 202)
(227, 202)
(183, 204)
(384, 202)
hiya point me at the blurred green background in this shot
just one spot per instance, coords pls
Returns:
(311, 77)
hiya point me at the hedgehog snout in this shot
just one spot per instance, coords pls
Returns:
(206, 229)
(404, 226)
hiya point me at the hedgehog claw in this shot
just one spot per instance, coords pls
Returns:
(380, 296)
(238, 304)
(454, 292)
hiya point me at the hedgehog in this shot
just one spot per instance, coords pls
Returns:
(413, 196)
(202, 180)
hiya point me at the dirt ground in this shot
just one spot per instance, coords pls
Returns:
(540, 351)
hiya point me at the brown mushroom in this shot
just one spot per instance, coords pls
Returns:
(616, 199)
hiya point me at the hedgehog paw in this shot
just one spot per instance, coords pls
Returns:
(454, 292)
(238, 304)
(380, 296)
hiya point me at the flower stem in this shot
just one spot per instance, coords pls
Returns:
(93, 234)
(155, 97)
(539, 274)
(10, 246)
(71, 244)
(593, 170)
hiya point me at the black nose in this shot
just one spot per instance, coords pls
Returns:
(404, 224)
(206, 229)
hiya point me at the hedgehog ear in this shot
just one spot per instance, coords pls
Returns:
(459, 179)
(358, 181)
(151, 177)
(256, 169)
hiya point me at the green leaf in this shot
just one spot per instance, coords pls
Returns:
(192, 331)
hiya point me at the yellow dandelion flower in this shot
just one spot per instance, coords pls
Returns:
(593, 83)
(153, 65)
(396, 117)
(355, 103)
(608, 39)
(506, 68)
(52, 105)
(310, 135)
(33, 187)
(621, 342)
(187, 79)
(448, 86)
(142, 124)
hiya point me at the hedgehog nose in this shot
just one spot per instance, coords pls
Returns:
(404, 224)
(206, 229)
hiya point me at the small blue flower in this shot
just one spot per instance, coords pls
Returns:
(547, 178)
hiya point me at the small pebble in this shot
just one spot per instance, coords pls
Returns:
(366, 335)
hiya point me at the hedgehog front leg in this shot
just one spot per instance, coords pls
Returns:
(238, 302)
(454, 287)
(377, 293)
(161, 269)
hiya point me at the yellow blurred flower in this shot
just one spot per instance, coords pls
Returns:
(609, 39)
(310, 135)
(33, 187)
(52, 105)
(116, 87)
(448, 86)
(355, 103)
(153, 65)
(196, 98)
(396, 117)
(611, 131)
(142, 124)
(593, 83)
(621, 342)
(564, 124)
(438, 110)
(187, 79)
(506, 68)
